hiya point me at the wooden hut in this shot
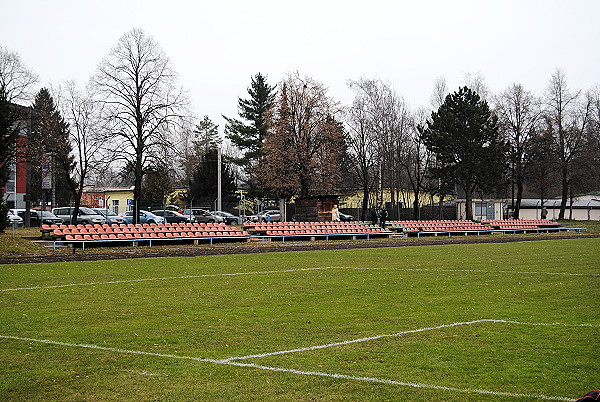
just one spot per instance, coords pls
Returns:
(316, 208)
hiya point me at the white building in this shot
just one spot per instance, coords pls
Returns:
(586, 208)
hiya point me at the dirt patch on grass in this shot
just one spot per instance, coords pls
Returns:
(177, 250)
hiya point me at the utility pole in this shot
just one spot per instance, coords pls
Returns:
(219, 178)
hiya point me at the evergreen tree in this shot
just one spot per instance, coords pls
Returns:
(201, 164)
(206, 137)
(158, 184)
(249, 133)
(464, 137)
(9, 133)
(49, 144)
(203, 183)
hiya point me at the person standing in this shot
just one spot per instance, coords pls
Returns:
(335, 214)
(383, 214)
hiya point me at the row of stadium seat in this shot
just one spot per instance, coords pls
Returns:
(439, 226)
(150, 236)
(521, 224)
(321, 232)
(136, 225)
(309, 228)
(463, 226)
(117, 232)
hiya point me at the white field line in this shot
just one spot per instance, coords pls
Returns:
(307, 373)
(404, 384)
(108, 349)
(168, 278)
(412, 331)
(485, 271)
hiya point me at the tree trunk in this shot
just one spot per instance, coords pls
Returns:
(365, 203)
(469, 204)
(517, 206)
(416, 214)
(565, 192)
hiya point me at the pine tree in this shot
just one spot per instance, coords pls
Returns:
(248, 135)
(206, 137)
(48, 143)
(464, 137)
(203, 183)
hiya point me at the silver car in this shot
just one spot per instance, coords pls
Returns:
(85, 215)
(14, 220)
(202, 215)
(269, 215)
(111, 217)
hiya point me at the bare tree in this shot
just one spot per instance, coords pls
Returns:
(138, 87)
(362, 144)
(416, 158)
(88, 136)
(16, 79)
(381, 118)
(440, 91)
(519, 113)
(16, 84)
(595, 129)
(567, 117)
(304, 148)
(476, 82)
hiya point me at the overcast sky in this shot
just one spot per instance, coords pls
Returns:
(217, 46)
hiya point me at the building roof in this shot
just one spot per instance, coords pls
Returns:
(554, 203)
(107, 189)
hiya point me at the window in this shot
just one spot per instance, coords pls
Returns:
(115, 206)
(12, 179)
(484, 210)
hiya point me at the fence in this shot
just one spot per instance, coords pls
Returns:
(399, 213)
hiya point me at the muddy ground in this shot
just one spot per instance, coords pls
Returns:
(176, 250)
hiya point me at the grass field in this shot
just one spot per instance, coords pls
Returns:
(509, 322)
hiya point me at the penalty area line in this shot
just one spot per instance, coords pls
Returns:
(291, 371)
(401, 383)
(397, 334)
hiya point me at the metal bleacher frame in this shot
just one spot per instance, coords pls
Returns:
(210, 233)
(147, 234)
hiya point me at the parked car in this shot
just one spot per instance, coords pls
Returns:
(145, 217)
(85, 215)
(175, 208)
(111, 217)
(173, 216)
(202, 215)
(346, 217)
(14, 220)
(229, 218)
(37, 218)
(269, 215)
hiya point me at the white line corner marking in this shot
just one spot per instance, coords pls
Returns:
(412, 331)
(231, 361)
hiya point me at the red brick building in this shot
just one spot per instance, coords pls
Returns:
(15, 191)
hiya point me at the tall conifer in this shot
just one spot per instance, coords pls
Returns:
(249, 133)
(463, 135)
